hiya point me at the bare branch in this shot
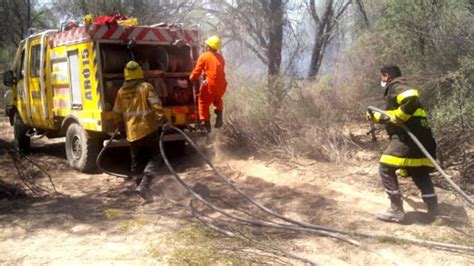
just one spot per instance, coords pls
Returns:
(361, 8)
(312, 8)
(343, 9)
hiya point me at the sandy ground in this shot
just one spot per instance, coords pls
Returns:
(98, 219)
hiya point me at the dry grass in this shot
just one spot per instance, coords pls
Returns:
(309, 122)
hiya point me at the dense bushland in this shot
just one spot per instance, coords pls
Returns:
(433, 44)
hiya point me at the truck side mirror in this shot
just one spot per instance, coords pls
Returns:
(9, 78)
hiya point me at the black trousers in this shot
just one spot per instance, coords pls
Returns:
(146, 158)
(420, 175)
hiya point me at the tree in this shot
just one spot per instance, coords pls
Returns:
(326, 23)
(258, 25)
(18, 17)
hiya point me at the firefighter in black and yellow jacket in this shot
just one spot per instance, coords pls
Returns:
(142, 112)
(403, 106)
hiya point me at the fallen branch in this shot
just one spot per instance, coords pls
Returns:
(26, 178)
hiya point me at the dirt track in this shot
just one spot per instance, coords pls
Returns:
(98, 219)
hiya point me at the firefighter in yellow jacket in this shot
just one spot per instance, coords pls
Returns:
(403, 106)
(141, 111)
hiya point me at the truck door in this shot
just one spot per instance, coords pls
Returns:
(33, 73)
(19, 90)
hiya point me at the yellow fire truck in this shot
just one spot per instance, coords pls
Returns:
(64, 82)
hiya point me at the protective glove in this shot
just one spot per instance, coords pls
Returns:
(163, 123)
(120, 125)
(384, 119)
(377, 117)
(369, 116)
(394, 120)
(166, 126)
(161, 119)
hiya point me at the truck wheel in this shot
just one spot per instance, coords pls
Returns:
(22, 141)
(81, 149)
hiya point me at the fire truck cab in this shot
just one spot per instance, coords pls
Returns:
(64, 83)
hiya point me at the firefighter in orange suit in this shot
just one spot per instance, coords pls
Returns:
(213, 88)
(141, 111)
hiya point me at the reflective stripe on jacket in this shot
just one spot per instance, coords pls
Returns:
(140, 107)
(403, 102)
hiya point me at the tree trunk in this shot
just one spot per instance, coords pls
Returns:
(320, 42)
(84, 7)
(321, 38)
(275, 43)
(28, 18)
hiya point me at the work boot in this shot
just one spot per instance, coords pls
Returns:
(143, 189)
(395, 213)
(207, 126)
(137, 178)
(219, 121)
(433, 209)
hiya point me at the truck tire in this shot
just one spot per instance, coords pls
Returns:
(81, 149)
(21, 140)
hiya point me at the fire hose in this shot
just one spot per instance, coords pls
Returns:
(294, 225)
(98, 161)
(428, 155)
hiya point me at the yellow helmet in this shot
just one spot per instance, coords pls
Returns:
(133, 71)
(88, 19)
(214, 42)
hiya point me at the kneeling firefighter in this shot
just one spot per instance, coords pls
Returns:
(141, 112)
(403, 106)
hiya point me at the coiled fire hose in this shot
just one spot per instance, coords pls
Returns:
(343, 235)
(428, 155)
